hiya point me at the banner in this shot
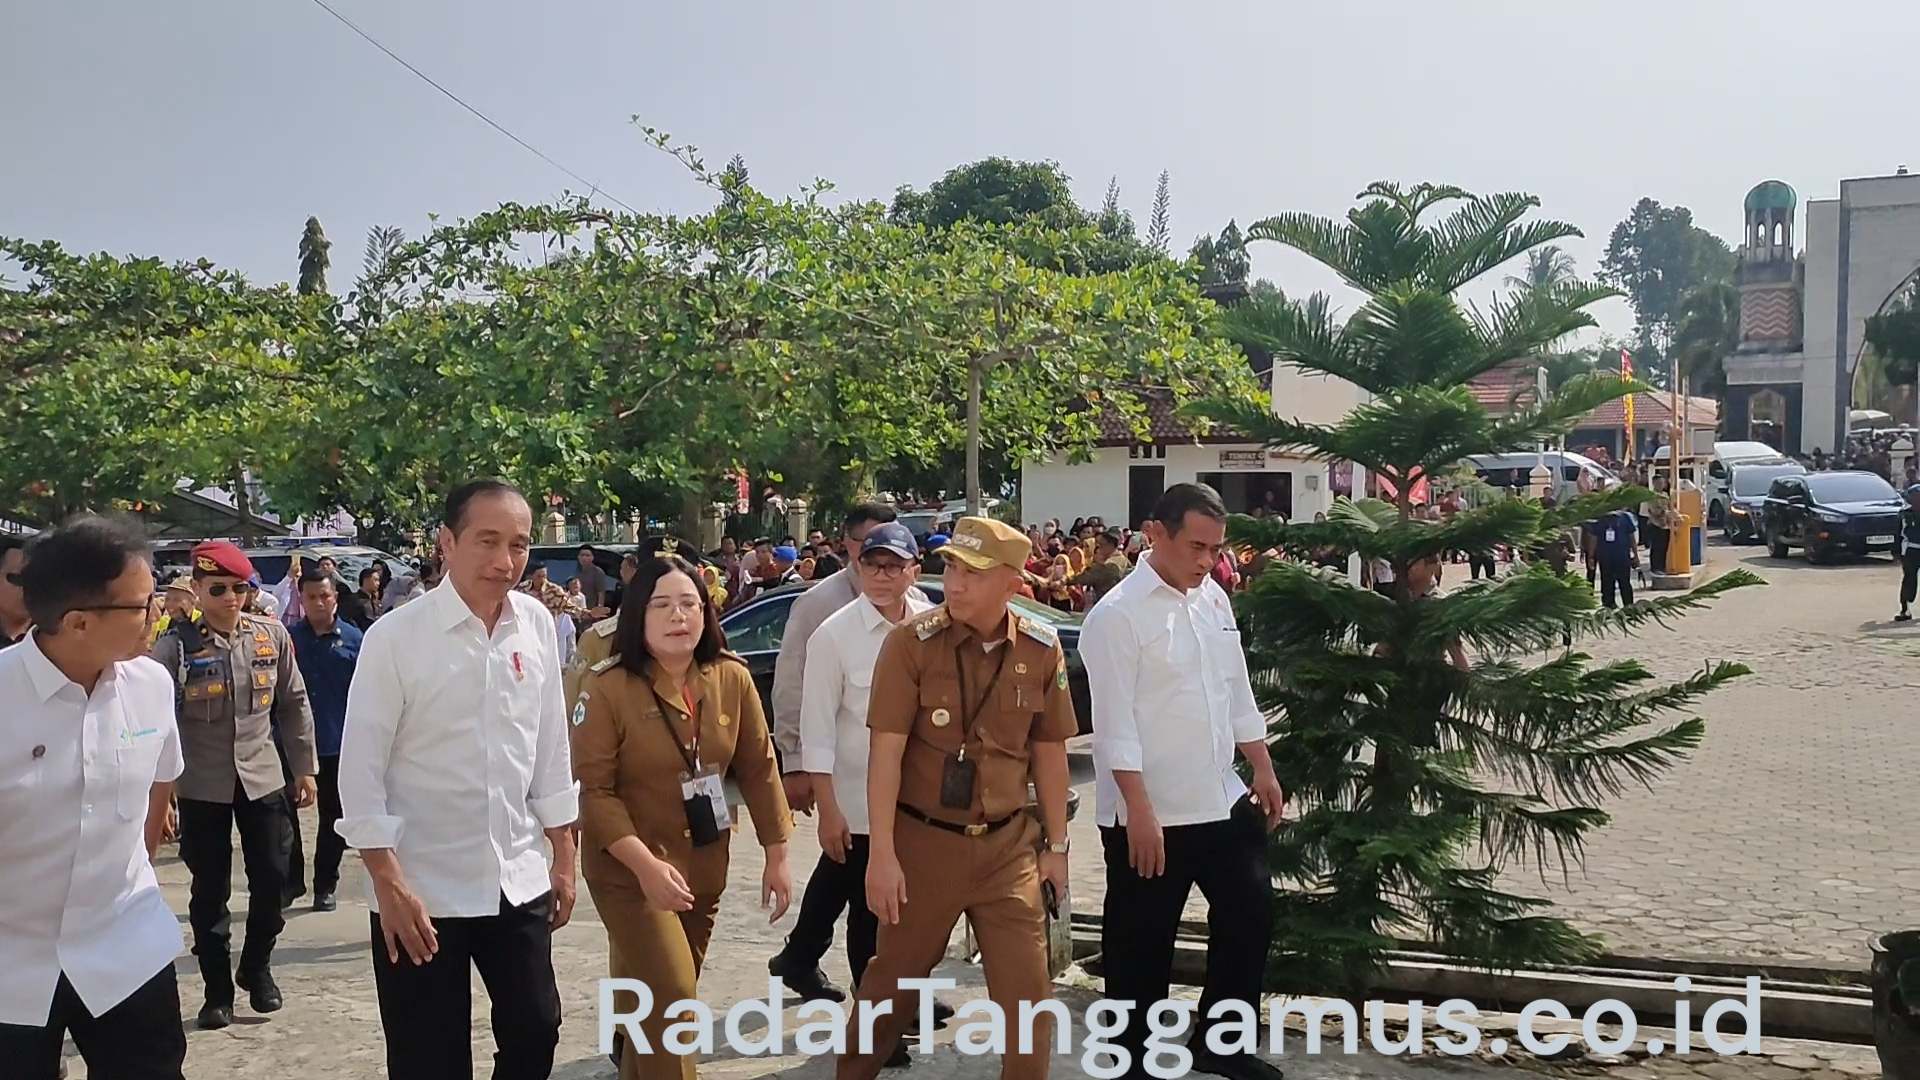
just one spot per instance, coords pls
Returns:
(1626, 372)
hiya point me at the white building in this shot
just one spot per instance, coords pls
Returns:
(1128, 474)
(1803, 322)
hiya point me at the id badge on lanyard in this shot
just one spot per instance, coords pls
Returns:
(957, 778)
(702, 794)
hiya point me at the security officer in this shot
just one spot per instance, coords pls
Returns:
(969, 702)
(236, 682)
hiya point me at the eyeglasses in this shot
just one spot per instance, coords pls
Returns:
(683, 607)
(884, 569)
(242, 589)
(145, 609)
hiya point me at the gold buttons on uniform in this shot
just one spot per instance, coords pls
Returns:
(688, 833)
(941, 718)
(725, 719)
(1020, 669)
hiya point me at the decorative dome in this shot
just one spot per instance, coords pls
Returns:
(1771, 195)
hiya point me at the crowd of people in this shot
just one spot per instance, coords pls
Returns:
(478, 774)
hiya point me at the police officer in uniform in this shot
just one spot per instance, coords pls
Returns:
(237, 683)
(969, 702)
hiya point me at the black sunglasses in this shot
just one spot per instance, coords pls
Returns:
(241, 589)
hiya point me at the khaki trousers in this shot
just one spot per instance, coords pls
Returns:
(995, 881)
(663, 949)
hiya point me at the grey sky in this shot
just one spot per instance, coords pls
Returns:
(214, 127)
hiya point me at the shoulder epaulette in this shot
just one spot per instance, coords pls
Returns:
(931, 623)
(602, 665)
(606, 627)
(1039, 631)
(735, 657)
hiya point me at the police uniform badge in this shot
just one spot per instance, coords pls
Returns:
(580, 711)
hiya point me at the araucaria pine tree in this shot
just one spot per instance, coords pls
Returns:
(1417, 781)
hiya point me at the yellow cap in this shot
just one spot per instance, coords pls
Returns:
(984, 543)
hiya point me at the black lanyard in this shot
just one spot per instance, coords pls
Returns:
(969, 709)
(691, 758)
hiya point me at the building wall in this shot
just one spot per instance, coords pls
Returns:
(1738, 408)
(1818, 326)
(1310, 398)
(1883, 217)
(1101, 487)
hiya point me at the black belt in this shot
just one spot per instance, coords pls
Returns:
(964, 830)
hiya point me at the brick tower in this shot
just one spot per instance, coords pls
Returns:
(1768, 272)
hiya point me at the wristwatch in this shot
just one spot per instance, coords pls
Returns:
(1059, 848)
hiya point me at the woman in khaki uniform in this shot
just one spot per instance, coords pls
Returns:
(659, 724)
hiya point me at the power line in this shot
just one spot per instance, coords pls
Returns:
(595, 189)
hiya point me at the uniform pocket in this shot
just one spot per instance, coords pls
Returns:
(135, 764)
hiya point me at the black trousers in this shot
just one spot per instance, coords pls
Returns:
(295, 885)
(427, 1009)
(141, 1038)
(1657, 538)
(206, 846)
(1227, 859)
(1615, 577)
(1478, 563)
(331, 845)
(832, 887)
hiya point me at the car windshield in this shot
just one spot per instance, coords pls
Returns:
(1755, 479)
(1850, 487)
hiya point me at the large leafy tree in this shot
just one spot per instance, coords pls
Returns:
(125, 376)
(1417, 783)
(1707, 331)
(314, 260)
(1657, 256)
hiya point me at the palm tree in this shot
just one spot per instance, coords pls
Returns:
(1547, 267)
(1706, 332)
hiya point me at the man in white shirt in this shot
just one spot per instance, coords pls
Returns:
(1171, 703)
(453, 767)
(833, 726)
(88, 755)
(829, 889)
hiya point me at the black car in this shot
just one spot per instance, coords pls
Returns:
(754, 630)
(1747, 488)
(563, 560)
(1830, 512)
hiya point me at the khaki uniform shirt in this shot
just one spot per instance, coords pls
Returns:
(917, 693)
(232, 697)
(629, 768)
(595, 645)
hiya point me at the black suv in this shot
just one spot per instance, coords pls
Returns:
(1830, 512)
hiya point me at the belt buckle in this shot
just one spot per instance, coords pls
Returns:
(976, 830)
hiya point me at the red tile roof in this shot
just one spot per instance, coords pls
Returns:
(1163, 425)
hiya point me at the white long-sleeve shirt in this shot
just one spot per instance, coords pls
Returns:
(455, 751)
(1171, 697)
(833, 706)
(78, 894)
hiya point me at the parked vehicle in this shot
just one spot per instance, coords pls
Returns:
(754, 631)
(1516, 471)
(1747, 485)
(1825, 513)
(1719, 471)
(272, 562)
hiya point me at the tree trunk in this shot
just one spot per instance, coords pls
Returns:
(974, 378)
(243, 505)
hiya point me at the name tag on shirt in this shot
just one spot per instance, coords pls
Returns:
(707, 785)
(1610, 536)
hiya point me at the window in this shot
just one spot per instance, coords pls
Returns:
(757, 627)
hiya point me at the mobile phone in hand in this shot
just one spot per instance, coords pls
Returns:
(1052, 899)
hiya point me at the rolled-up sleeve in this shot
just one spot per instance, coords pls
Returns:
(820, 702)
(374, 701)
(1109, 650)
(552, 795)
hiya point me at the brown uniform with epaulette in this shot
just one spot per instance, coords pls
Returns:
(234, 694)
(629, 761)
(938, 683)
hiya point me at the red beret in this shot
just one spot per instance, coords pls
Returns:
(220, 557)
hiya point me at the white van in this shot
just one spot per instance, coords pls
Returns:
(1515, 471)
(1719, 472)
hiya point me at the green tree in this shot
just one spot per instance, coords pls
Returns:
(1159, 226)
(313, 259)
(1418, 782)
(1222, 260)
(1893, 338)
(1546, 267)
(1657, 255)
(126, 377)
(1706, 332)
(996, 191)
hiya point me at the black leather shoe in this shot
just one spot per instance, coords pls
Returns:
(899, 1059)
(262, 992)
(324, 901)
(942, 1012)
(213, 1017)
(1234, 1066)
(810, 985)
